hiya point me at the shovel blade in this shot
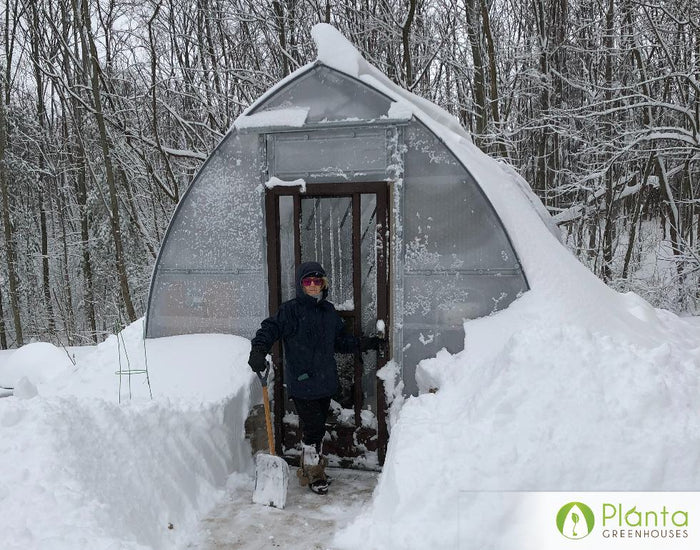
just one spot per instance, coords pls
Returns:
(271, 480)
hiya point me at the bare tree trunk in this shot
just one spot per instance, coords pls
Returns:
(132, 212)
(675, 222)
(282, 35)
(696, 120)
(406, 62)
(474, 31)
(7, 222)
(45, 273)
(3, 333)
(69, 328)
(542, 135)
(639, 202)
(78, 158)
(609, 228)
(95, 74)
(494, 99)
(42, 177)
(675, 226)
(172, 191)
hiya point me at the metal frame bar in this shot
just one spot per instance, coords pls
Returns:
(383, 284)
(357, 298)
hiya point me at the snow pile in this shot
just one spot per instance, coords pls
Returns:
(555, 406)
(191, 369)
(81, 470)
(573, 387)
(38, 363)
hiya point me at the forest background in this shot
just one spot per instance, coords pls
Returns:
(108, 108)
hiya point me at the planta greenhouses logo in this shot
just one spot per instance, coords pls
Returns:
(575, 520)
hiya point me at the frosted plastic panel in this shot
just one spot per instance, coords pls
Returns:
(368, 263)
(331, 97)
(458, 262)
(447, 299)
(187, 303)
(347, 155)
(439, 304)
(447, 222)
(326, 238)
(217, 225)
(210, 274)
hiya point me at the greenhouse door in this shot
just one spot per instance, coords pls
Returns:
(344, 227)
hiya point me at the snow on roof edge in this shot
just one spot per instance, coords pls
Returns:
(290, 116)
(269, 93)
(337, 52)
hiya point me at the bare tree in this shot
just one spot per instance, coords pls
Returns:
(8, 231)
(88, 40)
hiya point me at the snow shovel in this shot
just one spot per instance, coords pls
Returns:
(271, 472)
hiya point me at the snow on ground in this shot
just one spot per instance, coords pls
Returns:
(83, 471)
(557, 406)
(80, 470)
(308, 522)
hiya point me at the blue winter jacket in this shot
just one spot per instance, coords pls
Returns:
(311, 332)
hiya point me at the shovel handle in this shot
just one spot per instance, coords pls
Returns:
(266, 405)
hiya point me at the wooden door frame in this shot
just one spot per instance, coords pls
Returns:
(272, 222)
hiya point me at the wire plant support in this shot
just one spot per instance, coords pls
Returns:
(128, 372)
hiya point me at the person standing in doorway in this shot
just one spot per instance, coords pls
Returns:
(311, 332)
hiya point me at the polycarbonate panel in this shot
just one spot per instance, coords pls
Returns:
(458, 263)
(217, 225)
(448, 223)
(345, 155)
(436, 306)
(188, 303)
(330, 96)
(210, 275)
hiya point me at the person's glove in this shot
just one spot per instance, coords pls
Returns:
(370, 342)
(257, 360)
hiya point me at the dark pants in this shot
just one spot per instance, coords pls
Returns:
(312, 413)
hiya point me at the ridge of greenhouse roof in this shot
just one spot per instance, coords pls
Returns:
(337, 53)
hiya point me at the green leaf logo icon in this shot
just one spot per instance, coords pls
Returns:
(575, 520)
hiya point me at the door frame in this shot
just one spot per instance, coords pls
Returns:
(272, 223)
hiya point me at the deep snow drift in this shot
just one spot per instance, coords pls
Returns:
(81, 471)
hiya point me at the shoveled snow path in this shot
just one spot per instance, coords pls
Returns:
(309, 521)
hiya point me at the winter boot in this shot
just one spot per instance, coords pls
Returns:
(312, 471)
(309, 457)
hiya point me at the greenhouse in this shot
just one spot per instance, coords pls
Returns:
(358, 175)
